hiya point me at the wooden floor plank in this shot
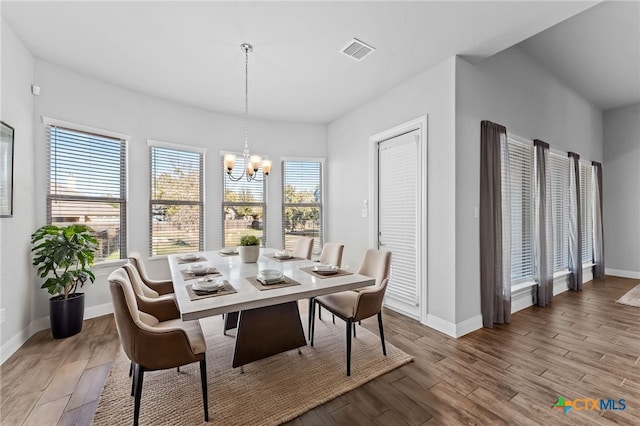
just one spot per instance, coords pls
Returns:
(65, 381)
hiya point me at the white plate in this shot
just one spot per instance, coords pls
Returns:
(188, 257)
(282, 255)
(325, 268)
(228, 250)
(270, 274)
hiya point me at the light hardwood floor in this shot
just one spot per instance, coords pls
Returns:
(583, 345)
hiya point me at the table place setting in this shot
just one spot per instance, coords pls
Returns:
(269, 279)
(283, 256)
(190, 258)
(209, 287)
(198, 270)
(228, 251)
(322, 271)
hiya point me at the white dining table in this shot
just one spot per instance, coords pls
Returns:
(268, 320)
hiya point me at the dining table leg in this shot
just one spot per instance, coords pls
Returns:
(267, 331)
(230, 321)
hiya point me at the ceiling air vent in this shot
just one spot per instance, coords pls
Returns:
(357, 49)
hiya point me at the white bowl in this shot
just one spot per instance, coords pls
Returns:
(208, 284)
(189, 257)
(325, 268)
(283, 254)
(229, 250)
(270, 274)
(196, 267)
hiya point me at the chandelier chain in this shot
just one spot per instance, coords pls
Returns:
(246, 98)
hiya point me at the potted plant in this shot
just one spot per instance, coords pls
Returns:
(249, 249)
(64, 256)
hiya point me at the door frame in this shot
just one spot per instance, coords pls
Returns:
(419, 124)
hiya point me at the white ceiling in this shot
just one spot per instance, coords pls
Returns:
(596, 52)
(189, 52)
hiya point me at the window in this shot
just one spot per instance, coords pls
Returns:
(87, 183)
(302, 202)
(176, 206)
(520, 166)
(559, 176)
(586, 212)
(244, 208)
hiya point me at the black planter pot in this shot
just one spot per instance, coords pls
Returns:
(66, 315)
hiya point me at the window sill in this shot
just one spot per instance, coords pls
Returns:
(109, 264)
(561, 274)
(522, 286)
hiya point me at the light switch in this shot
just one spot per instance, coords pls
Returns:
(365, 213)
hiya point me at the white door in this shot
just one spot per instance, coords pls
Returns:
(398, 183)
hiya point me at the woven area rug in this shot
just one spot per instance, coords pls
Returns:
(631, 298)
(271, 391)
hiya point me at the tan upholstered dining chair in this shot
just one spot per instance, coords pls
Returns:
(304, 247)
(163, 307)
(331, 255)
(375, 264)
(164, 286)
(353, 306)
(154, 345)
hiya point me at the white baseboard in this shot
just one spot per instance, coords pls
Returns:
(19, 339)
(98, 310)
(453, 329)
(522, 299)
(622, 273)
(467, 326)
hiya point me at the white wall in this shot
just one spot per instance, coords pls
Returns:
(430, 93)
(16, 273)
(513, 90)
(621, 189)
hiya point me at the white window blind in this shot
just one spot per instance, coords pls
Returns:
(244, 208)
(176, 204)
(521, 197)
(87, 185)
(586, 212)
(302, 209)
(559, 175)
(398, 171)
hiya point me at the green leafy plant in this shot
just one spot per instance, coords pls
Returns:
(64, 256)
(249, 240)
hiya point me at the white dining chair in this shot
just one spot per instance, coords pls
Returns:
(304, 247)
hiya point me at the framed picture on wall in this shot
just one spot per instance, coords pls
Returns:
(6, 169)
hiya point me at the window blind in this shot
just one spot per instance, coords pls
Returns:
(559, 175)
(176, 206)
(302, 206)
(244, 207)
(586, 212)
(87, 185)
(520, 168)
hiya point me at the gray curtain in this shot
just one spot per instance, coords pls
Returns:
(543, 222)
(495, 260)
(575, 237)
(598, 227)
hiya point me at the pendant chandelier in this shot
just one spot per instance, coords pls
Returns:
(252, 163)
